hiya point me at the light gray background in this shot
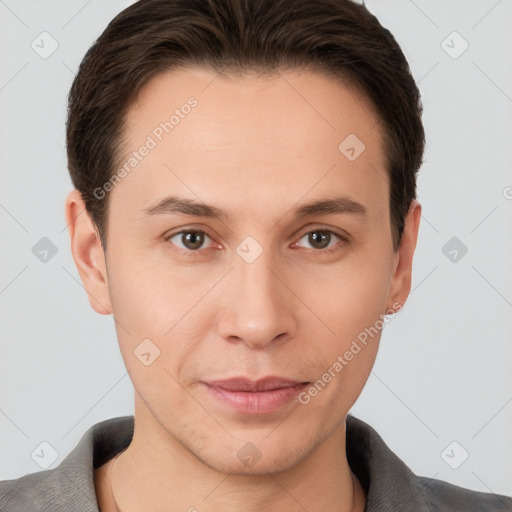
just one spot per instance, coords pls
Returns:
(443, 372)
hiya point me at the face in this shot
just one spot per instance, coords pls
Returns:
(244, 304)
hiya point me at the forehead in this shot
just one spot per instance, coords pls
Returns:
(319, 102)
(292, 133)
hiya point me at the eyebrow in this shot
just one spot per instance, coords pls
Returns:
(178, 205)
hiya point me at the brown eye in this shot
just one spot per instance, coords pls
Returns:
(319, 239)
(191, 240)
(322, 239)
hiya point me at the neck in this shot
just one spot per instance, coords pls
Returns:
(156, 470)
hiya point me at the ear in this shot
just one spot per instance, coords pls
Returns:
(401, 280)
(88, 253)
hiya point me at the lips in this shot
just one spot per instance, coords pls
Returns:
(255, 397)
(249, 386)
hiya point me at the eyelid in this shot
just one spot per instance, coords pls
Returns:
(344, 238)
(189, 252)
(341, 234)
(338, 232)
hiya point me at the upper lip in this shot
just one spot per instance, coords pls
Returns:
(244, 384)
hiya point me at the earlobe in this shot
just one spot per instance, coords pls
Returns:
(88, 253)
(402, 275)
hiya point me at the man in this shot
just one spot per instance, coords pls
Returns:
(245, 207)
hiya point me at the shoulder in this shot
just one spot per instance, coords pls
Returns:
(29, 492)
(442, 496)
(391, 486)
(70, 485)
(47, 491)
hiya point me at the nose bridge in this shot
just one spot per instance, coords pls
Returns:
(259, 309)
(258, 278)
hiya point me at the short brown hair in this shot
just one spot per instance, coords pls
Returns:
(340, 38)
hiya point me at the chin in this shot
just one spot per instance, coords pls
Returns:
(269, 463)
(258, 457)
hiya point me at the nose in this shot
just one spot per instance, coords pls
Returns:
(258, 307)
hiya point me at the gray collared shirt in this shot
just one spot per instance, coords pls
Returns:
(390, 486)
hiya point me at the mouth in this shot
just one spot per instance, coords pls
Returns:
(262, 396)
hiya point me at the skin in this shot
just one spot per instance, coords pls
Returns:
(257, 147)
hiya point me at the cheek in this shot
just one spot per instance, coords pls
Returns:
(350, 297)
(345, 358)
(160, 319)
(348, 304)
(150, 296)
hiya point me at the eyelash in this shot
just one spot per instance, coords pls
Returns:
(197, 252)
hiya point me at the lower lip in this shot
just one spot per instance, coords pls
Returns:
(261, 402)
